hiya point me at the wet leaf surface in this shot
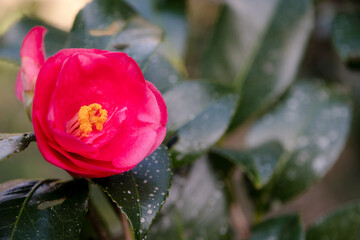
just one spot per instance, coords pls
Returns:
(162, 73)
(199, 113)
(141, 192)
(312, 124)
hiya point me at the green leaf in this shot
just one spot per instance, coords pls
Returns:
(13, 143)
(199, 113)
(345, 37)
(196, 208)
(114, 26)
(141, 192)
(340, 224)
(281, 228)
(43, 210)
(257, 46)
(10, 42)
(170, 16)
(312, 123)
(259, 163)
(162, 72)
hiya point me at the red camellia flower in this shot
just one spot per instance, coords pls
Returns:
(94, 114)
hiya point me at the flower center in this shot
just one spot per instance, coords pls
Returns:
(89, 117)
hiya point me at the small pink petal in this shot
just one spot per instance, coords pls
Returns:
(33, 45)
(32, 54)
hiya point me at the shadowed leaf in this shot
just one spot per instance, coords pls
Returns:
(340, 224)
(281, 228)
(196, 208)
(43, 210)
(345, 36)
(259, 163)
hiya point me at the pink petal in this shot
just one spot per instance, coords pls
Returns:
(161, 133)
(53, 156)
(160, 102)
(128, 148)
(32, 54)
(33, 45)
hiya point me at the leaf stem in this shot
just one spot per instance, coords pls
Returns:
(97, 224)
(238, 216)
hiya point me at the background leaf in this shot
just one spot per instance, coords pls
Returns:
(281, 228)
(199, 113)
(340, 224)
(114, 25)
(259, 163)
(345, 36)
(141, 192)
(43, 210)
(312, 124)
(165, 67)
(162, 73)
(196, 208)
(170, 16)
(261, 55)
(14, 143)
(10, 42)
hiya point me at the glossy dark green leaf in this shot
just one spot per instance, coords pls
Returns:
(199, 113)
(312, 123)
(113, 25)
(170, 16)
(259, 163)
(345, 36)
(43, 210)
(340, 224)
(257, 46)
(162, 72)
(281, 228)
(10, 42)
(141, 192)
(196, 208)
(14, 143)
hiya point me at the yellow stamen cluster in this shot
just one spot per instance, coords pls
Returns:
(90, 115)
